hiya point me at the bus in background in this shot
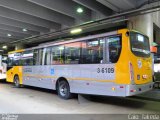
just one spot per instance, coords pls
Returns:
(3, 67)
(116, 63)
(157, 60)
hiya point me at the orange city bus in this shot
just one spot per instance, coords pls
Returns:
(115, 63)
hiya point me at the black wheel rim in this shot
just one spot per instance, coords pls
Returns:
(63, 89)
(16, 81)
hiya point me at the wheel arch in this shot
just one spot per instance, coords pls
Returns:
(15, 76)
(19, 77)
(60, 79)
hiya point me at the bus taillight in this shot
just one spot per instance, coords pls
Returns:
(131, 73)
(132, 90)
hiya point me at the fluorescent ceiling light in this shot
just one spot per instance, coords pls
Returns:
(74, 31)
(25, 30)
(4, 47)
(9, 35)
(79, 10)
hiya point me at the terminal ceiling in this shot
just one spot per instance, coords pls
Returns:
(21, 19)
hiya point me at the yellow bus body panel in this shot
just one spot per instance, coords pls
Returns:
(145, 70)
(126, 57)
(122, 67)
(15, 70)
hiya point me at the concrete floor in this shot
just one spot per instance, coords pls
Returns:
(34, 100)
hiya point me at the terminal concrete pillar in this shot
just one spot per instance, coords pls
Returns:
(156, 18)
(142, 23)
(19, 46)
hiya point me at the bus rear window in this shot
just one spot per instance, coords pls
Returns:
(115, 46)
(139, 44)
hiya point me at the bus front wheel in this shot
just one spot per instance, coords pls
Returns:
(16, 81)
(64, 89)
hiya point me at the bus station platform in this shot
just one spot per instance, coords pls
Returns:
(153, 95)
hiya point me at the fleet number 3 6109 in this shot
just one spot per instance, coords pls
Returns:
(105, 70)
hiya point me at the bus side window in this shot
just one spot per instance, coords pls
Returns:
(57, 55)
(114, 48)
(47, 56)
(10, 61)
(35, 57)
(92, 51)
(27, 58)
(38, 56)
(72, 53)
(17, 59)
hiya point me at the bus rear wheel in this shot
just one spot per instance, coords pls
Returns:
(63, 90)
(16, 81)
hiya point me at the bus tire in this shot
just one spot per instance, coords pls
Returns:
(63, 90)
(16, 81)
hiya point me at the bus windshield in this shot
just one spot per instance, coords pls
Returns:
(139, 44)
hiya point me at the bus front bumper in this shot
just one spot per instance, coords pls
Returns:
(138, 89)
